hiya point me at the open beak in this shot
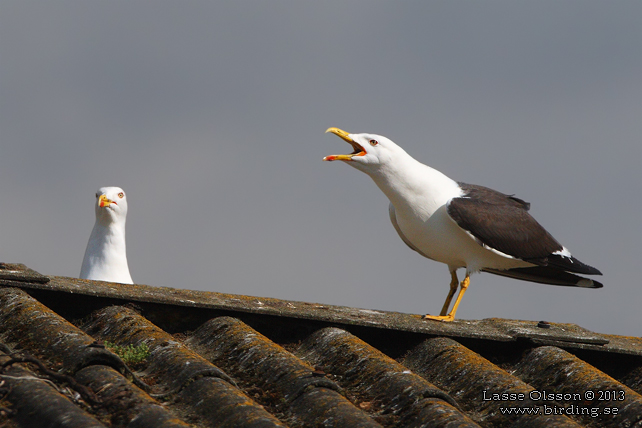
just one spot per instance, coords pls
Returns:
(358, 150)
(103, 201)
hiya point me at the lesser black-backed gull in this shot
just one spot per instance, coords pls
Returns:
(462, 225)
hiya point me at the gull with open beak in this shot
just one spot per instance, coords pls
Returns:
(106, 254)
(462, 225)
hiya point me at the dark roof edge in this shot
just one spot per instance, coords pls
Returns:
(568, 336)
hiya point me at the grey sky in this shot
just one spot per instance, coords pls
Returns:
(211, 116)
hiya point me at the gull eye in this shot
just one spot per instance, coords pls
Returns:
(373, 142)
(121, 195)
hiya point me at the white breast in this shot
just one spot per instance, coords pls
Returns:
(439, 238)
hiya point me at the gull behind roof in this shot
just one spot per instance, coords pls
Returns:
(106, 254)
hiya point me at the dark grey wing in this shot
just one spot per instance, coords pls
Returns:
(502, 222)
(393, 219)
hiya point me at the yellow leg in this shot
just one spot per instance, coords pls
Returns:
(451, 316)
(454, 282)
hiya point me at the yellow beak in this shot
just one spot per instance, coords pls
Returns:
(358, 150)
(103, 201)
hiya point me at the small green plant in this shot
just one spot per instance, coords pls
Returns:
(130, 354)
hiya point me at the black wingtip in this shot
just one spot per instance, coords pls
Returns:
(571, 264)
(597, 284)
(547, 275)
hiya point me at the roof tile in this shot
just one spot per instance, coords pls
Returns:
(34, 327)
(473, 381)
(34, 402)
(125, 403)
(374, 377)
(199, 385)
(292, 385)
(561, 376)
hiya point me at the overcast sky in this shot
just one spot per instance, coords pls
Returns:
(211, 116)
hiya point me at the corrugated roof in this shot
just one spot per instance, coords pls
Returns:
(237, 361)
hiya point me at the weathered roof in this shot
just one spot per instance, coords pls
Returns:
(237, 361)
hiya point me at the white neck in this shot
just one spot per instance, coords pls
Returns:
(409, 184)
(106, 257)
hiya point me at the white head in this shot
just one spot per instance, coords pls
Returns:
(111, 205)
(371, 152)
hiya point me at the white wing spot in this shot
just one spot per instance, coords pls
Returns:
(564, 252)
